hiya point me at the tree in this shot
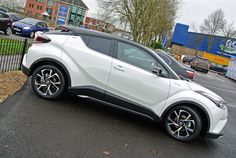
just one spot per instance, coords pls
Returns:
(198, 37)
(213, 24)
(147, 19)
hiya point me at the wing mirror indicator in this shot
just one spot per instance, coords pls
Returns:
(157, 70)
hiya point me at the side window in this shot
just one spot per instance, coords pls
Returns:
(99, 44)
(138, 57)
(135, 56)
(1, 15)
(5, 16)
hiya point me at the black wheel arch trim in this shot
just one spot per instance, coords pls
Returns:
(188, 102)
(32, 67)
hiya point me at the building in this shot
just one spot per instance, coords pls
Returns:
(71, 12)
(100, 25)
(197, 44)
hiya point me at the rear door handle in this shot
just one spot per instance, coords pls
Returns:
(119, 67)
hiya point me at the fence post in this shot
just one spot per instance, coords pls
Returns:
(23, 52)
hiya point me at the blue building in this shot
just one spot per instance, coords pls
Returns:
(198, 41)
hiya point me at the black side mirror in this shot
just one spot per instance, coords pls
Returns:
(157, 70)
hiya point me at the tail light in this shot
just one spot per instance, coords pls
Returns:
(41, 38)
(190, 74)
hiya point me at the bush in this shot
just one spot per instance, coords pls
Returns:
(156, 45)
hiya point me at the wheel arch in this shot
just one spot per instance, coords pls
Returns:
(50, 61)
(198, 107)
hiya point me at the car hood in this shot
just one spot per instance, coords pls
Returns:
(196, 87)
(21, 25)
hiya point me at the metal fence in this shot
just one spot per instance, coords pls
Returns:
(12, 52)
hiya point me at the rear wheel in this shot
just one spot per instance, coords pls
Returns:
(48, 82)
(183, 123)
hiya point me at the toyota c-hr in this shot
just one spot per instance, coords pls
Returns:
(123, 74)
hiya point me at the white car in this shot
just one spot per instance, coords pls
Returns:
(123, 74)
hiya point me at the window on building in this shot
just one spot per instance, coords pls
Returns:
(29, 5)
(41, 7)
(32, 5)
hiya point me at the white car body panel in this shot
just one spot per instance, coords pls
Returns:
(91, 68)
(138, 85)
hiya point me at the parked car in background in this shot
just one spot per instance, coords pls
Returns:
(182, 71)
(188, 59)
(15, 17)
(200, 63)
(218, 68)
(5, 22)
(125, 75)
(5, 10)
(29, 27)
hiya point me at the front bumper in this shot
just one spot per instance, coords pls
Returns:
(22, 31)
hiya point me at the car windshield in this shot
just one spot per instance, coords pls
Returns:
(29, 21)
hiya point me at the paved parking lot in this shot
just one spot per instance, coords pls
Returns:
(73, 127)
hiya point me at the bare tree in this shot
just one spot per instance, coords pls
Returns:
(198, 37)
(146, 18)
(212, 25)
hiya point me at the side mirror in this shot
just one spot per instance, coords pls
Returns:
(157, 70)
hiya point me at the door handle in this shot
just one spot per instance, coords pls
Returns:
(119, 67)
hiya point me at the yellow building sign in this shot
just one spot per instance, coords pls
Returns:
(216, 59)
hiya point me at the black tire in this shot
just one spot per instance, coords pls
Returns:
(13, 32)
(206, 71)
(52, 85)
(7, 31)
(188, 130)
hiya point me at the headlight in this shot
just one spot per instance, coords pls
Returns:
(218, 101)
(26, 28)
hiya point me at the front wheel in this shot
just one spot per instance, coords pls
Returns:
(48, 82)
(183, 123)
(32, 34)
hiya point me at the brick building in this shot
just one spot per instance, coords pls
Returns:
(49, 9)
(99, 25)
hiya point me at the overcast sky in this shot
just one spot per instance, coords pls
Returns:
(192, 11)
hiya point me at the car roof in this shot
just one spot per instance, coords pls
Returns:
(81, 31)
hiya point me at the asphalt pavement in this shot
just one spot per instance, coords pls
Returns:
(71, 127)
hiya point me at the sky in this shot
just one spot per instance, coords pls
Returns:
(192, 11)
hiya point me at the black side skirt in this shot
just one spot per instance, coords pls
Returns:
(114, 100)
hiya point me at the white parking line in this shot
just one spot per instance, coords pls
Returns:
(216, 77)
(197, 73)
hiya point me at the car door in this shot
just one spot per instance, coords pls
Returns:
(92, 54)
(132, 78)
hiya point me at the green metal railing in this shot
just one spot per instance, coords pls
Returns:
(12, 52)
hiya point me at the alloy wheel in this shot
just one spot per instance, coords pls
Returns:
(181, 123)
(47, 82)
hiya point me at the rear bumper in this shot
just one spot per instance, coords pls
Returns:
(25, 70)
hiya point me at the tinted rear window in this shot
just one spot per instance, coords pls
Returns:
(99, 44)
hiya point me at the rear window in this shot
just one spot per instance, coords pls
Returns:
(99, 44)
